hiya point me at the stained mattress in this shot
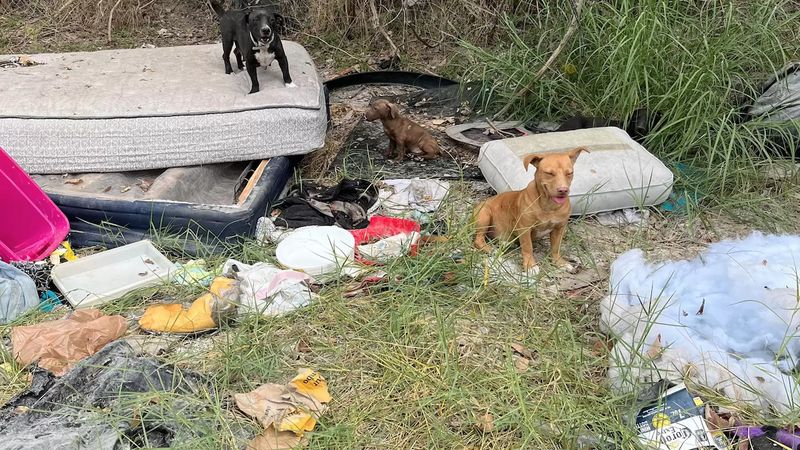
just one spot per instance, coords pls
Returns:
(143, 109)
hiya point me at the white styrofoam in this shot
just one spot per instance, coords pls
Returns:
(97, 279)
(617, 174)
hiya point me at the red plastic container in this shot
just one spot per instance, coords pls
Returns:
(381, 227)
(32, 225)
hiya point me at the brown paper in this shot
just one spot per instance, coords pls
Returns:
(58, 344)
(271, 439)
(286, 411)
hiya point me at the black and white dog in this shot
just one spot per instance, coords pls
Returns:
(255, 32)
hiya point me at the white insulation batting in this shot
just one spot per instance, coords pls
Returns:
(727, 320)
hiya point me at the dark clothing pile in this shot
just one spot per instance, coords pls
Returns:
(345, 204)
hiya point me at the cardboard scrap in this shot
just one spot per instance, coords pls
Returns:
(58, 344)
(677, 421)
(286, 411)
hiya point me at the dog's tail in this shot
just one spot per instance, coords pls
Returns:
(217, 7)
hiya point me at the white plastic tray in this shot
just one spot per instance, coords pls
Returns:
(97, 279)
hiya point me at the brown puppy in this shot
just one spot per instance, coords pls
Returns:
(541, 208)
(403, 134)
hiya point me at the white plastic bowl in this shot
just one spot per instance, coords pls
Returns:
(317, 250)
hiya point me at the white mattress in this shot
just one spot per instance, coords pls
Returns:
(618, 173)
(140, 109)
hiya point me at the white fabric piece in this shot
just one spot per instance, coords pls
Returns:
(727, 320)
(268, 290)
(422, 195)
(617, 174)
(141, 109)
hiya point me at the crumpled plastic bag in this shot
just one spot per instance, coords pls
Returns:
(17, 293)
(421, 195)
(205, 313)
(267, 289)
(58, 344)
(287, 411)
(389, 248)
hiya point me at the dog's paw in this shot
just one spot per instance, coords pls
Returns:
(532, 271)
(570, 268)
(290, 85)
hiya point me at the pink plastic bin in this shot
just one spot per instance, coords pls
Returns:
(32, 225)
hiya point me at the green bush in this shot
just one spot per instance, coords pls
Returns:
(694, 62)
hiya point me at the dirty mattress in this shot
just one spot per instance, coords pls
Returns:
(212, 204)
(144, 109)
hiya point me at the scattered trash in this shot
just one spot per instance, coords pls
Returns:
(192, 273)
(208, 312)
(679, 201)
(345, 204)
(364, 284)
(17, 293)
(778, 105)
(57, 345)
(621, 217)
(73, 181)
(420, 195)
(49, 301)
(389, 248)
(62, 413)
(268, 232)
(676, 420)
(287, 411)
(321, 252)
(102, 277)
(386, 238)
(64, 251)
(269, 290)
(7, 62)
(39, 271)
(476, 134)
(725, 320)
(36, 226)
(763, 438)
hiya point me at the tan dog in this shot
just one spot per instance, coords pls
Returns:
(541, 208)
(403, 134)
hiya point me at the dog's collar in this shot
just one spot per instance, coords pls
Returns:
(258, 44)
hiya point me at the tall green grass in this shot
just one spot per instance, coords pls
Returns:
(693, 62)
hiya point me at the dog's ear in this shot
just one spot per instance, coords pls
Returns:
(280, 22)
(394, 111)
(573, 154)
(532, 159)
